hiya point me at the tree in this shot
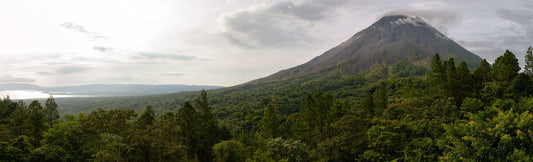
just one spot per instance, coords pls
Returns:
(209, 132)
(506, 68)
(368, 106)
(451, 78)
(37, 120)
(481, 75)
(228, 151)
(528, 68)
(7, 107)
(380, 99)
(269, 124)
(202, 105)
(164, 144)
(408, 88)
(146, 119)
(490, 135)
(436, 65)
(522, 86)
(385, 144)
(51, 112)
(287, 150)
(64, 142)
(105, 132)
(19, 124)
(350, 140)
(111, 121)
(464, 87)
(438, 77)
(316, 113)
(187, 121)
(20, 149)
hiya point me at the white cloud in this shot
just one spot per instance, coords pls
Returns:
(439, 16)
(227, 42)
(12, 79)
(102, 48)
(278, 24)
(71, 69)
(154, 55)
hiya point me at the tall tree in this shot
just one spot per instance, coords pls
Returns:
(408, 89)
(146, 119)
(229, 151)
(202, 105)
(287, 150)
(451, 78)
(209, 132)
(111, 121)
(368, 106)
(316, 113)
(506, 67)
(22, 149)
(19, 120)
(522, 86)
(187, 121)
(481, 75)
(464, 78)
(269, 124)
(438, 76)
(436, 64)
(37, 122)
(528, 68)
(50, 111)
(380, 99)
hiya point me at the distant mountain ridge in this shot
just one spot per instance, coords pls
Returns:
(389, 40)
(109, 89)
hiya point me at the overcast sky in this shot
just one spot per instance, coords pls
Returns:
(217, 42)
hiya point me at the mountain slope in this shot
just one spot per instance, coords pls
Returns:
(343, 71)
(390, 40)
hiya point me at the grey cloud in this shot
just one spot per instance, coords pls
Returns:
(492, 47)
(312, 10)
(173, 74)
(102, 49)
(78, 28)
(11, 79)
(281, 24)
(73, 26)
(440, 19)
(485, 48)
(153, 55)
(44, 73)
(71, 69)
(128, 79)
(522, 18)
(98, 36)
(517, 35)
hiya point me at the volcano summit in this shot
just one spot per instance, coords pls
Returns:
(389, 40)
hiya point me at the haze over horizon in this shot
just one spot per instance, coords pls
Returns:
(71, 42)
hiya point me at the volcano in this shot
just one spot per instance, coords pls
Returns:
(388, 41)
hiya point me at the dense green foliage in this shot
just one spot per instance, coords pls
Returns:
(450, 114)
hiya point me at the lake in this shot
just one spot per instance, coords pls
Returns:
(33, 94)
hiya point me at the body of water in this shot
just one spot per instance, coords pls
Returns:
(32, 94)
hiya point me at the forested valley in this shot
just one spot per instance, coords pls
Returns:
(452, 113)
